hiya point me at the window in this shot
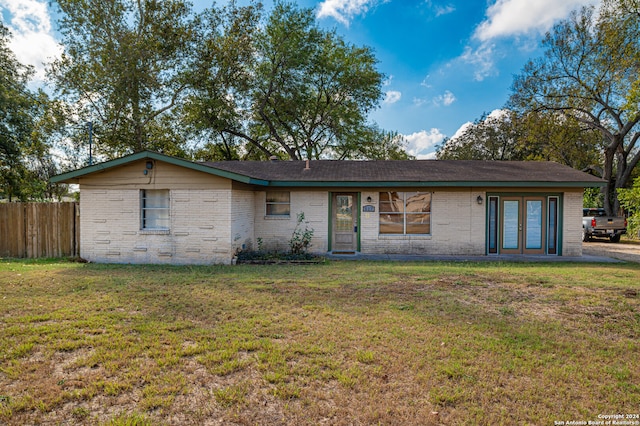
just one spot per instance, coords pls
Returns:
(154, 209)
(552, 227)
(405, 213)
(278, 203)
(493, 225)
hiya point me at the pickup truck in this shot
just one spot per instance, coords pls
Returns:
(596, 223)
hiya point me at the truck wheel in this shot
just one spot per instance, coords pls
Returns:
(585, 236)
(614, 238)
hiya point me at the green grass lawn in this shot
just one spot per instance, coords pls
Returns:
(336, 343)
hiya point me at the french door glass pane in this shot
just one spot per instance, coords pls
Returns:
(534, 224)
(553, 229)
(493, 224)
(510, 224)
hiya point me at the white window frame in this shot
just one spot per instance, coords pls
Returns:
(152, 216)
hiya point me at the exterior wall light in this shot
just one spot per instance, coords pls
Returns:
(479, 199)
(369, 199)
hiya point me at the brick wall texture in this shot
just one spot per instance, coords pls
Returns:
(211, 220)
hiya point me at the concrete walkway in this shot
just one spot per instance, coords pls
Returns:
(586, 258)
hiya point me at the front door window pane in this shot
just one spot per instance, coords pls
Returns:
(344, 213)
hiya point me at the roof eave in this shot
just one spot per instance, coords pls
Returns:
(74, 176)
(421, 184)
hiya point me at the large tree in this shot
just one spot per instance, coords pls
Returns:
(25, 163)
(589, 72)
(286, 87)
(491, 137)
(533, 136)
(123, 69)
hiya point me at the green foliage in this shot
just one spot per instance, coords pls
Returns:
(532, 136)
(123, 70)
(592, 198)
(589, 74)
(491, 137)
(25, 162)
(630, 201)
(286, 87)
(300, 238)
(299, 244)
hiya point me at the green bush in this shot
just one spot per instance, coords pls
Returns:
(630, 200)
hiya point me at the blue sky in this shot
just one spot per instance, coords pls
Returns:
(446, 61)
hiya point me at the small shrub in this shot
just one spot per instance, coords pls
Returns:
(300, 238)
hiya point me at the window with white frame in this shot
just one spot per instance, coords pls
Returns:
(154, 209)
(278, 203)
(405, 213)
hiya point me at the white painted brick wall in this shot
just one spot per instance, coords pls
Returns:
(276, 232)
(207, 226)
(572, 224)
(457, 227)
(242, 220)
(200, 231)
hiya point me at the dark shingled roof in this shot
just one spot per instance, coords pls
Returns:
(440, 171)
(368, 173)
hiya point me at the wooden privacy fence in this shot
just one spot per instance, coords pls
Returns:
(39, 230)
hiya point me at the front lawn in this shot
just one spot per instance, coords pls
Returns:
(337, 343)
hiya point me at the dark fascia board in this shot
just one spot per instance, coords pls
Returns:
(72, 176)
(387, 184)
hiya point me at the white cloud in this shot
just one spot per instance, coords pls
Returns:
(446, 99)
(425, 82)
(461, 130)
(32, 38)
(482, 59)
(344, 10)
(496, 113)
(444, 10)
(391, 97)
(514, 17)
(387, 81)
(419, 101)
(423, 144)
(440, 9)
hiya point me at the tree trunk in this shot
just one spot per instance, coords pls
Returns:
(609, 190)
